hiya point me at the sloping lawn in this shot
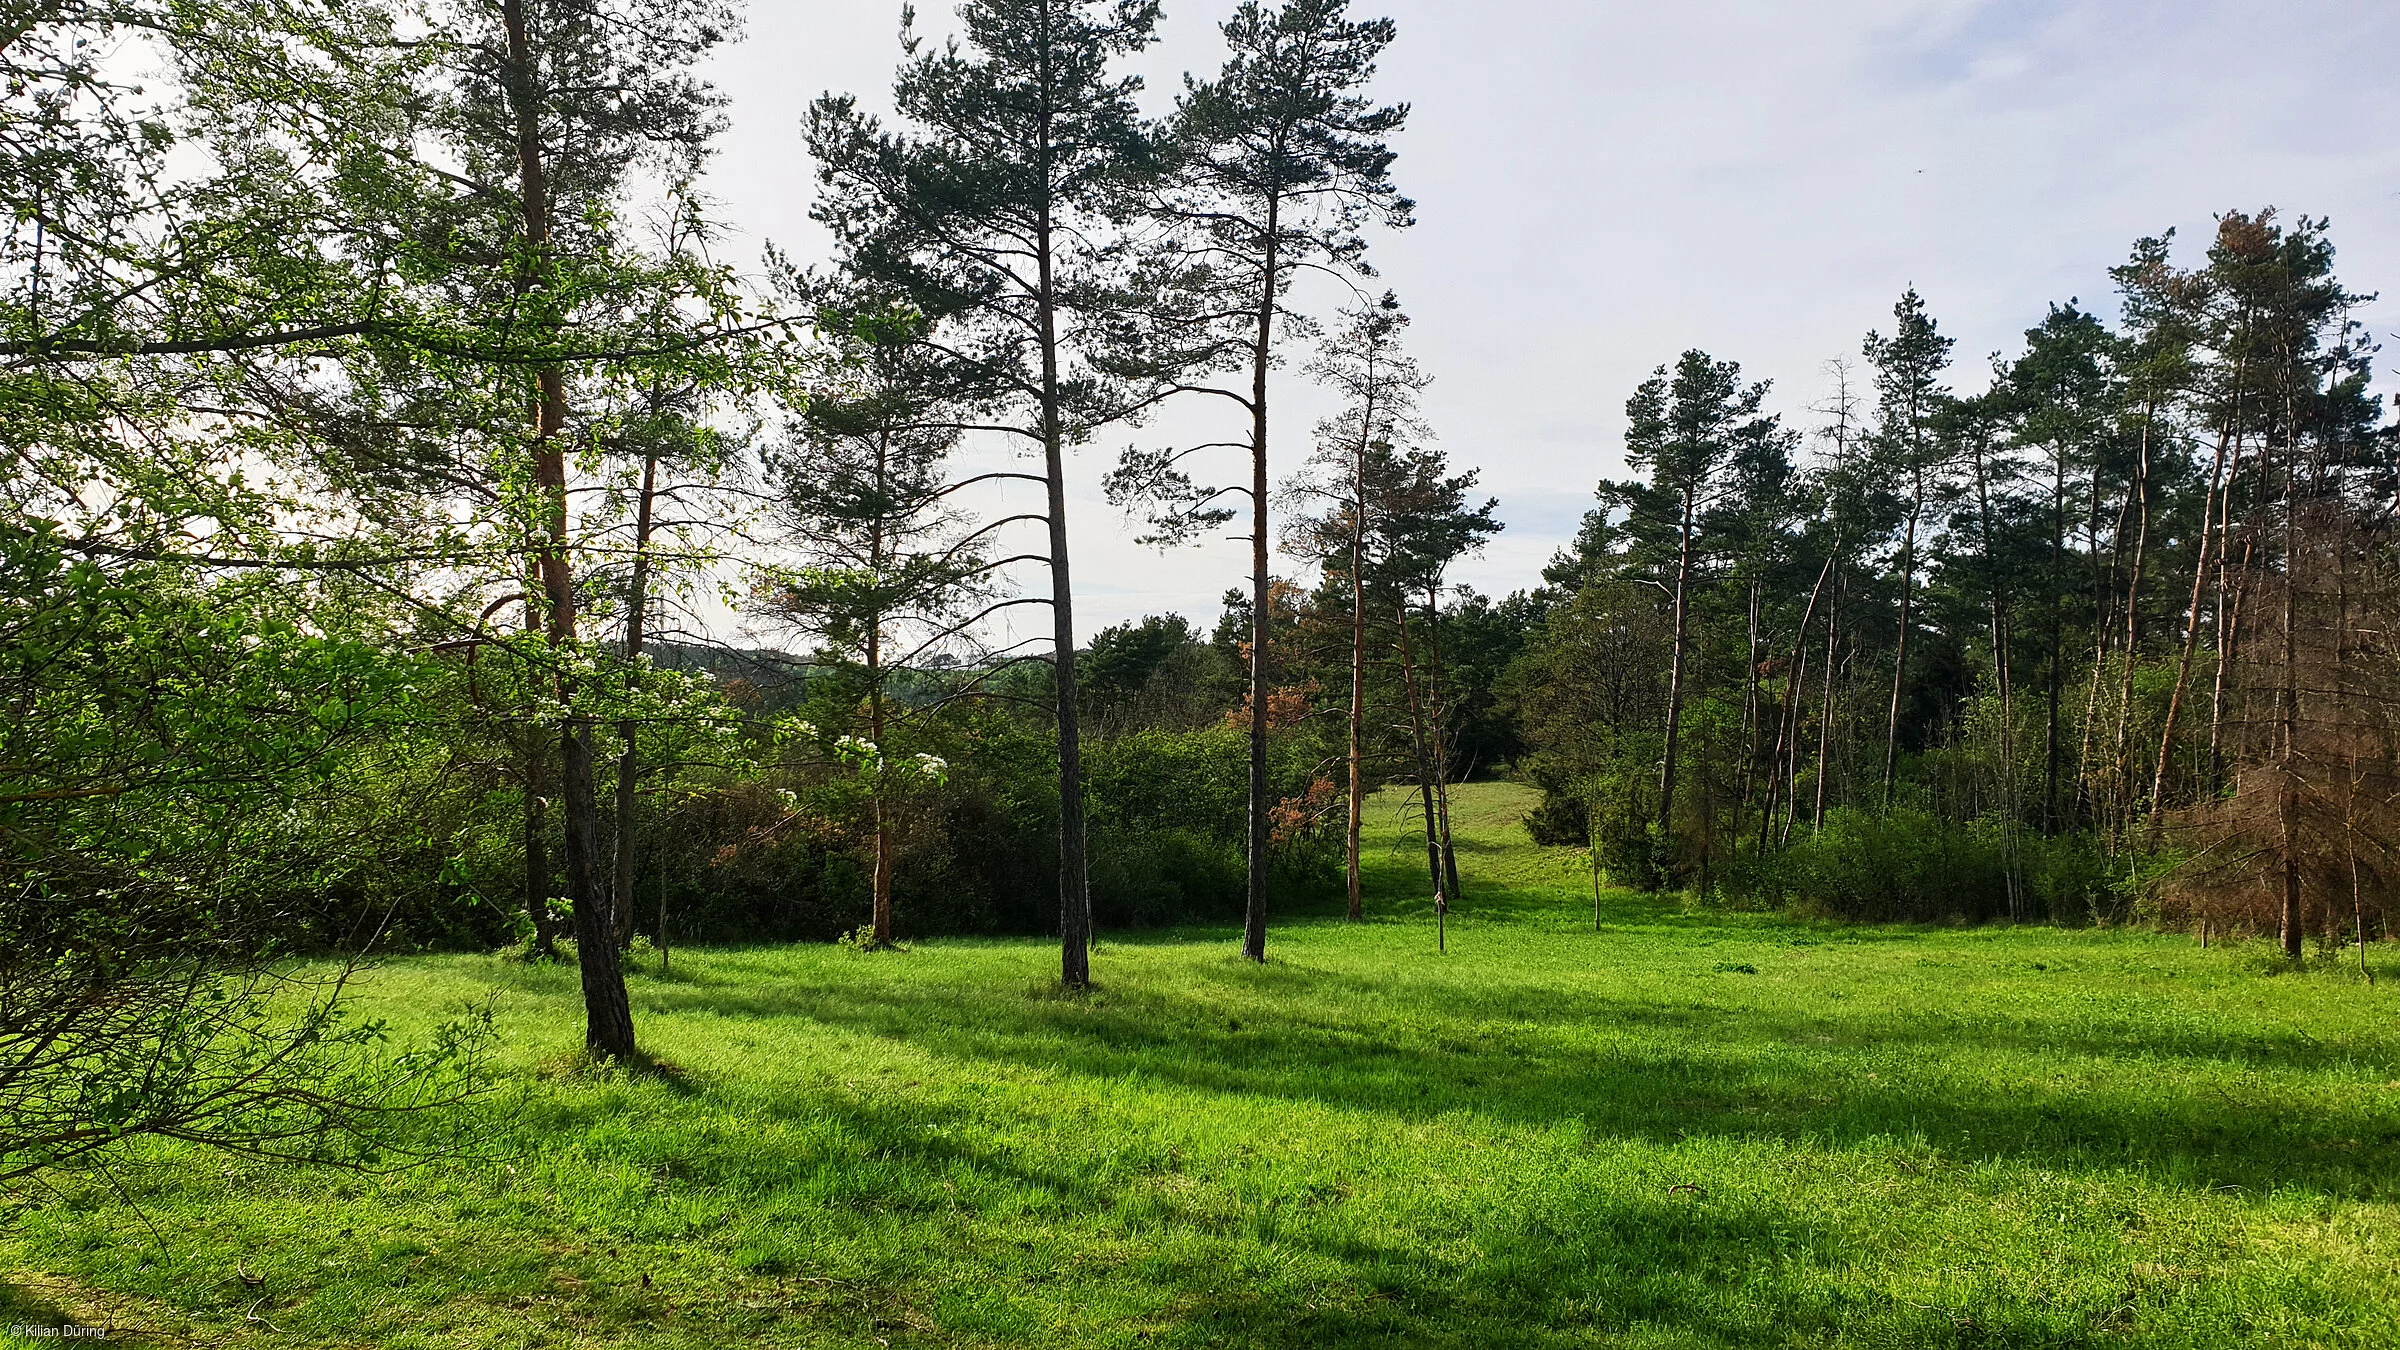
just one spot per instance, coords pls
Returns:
(1684, 1129)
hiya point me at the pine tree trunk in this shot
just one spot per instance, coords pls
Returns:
(1440, 736)
(1778, 754)
(1787, 754)
(2057, 675)
(877, 729)
(2191, 640)
(1074, 879)
(1675, 666)
(637, 602)
(1908, 595)
(2121, 803)
(1786, 775)
(1254, 923)
(1752, 718)
(608, 1014)
(2294, 921)
(2228, 627)
(1833, 634)
(2000, 674)
(1592, 832)
(2104, 595)
(1354, 833)
(608, 1030)
(1074, 893)
(2229, 654)
(2342, 698)
(1416, 722)
(1358, 684)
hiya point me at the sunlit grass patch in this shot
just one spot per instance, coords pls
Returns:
(1679, 1129)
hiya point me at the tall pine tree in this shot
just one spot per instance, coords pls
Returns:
(1281, 160)
(996, 217)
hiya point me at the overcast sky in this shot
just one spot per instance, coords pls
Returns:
(1602, 185)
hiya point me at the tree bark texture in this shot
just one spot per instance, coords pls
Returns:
(1074, 884)
(1254, 920)
(1416, 723)
(1675, 666)
(608, 1028)
(629, 764)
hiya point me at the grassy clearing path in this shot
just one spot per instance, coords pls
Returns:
(1683, 1130)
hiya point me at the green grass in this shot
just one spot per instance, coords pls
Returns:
(1685, 1129)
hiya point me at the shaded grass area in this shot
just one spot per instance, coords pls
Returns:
(1676, 1128)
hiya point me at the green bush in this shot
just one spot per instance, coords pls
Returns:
(1910, 866)
(1170, 820)
(1613, 814)
(1166, 826)
(1150, 879)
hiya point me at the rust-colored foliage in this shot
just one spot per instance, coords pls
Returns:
(2299, 831)
(1297, 818)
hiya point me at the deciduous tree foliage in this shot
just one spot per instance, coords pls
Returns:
(886, 572)
(377, 319)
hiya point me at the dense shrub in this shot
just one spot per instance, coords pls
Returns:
(978, 854)
(1911, 866)
(1170, 814)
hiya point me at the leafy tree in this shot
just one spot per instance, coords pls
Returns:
(1859, 510)
(1755, 529)
(2270, 300)
(2309, 719)
(1975, 425)
(172, 775)
(887, 570)
(2063, 397)
(417, 306)
(668, 440)
(564, 98)
(2156, 358)
(1155, 673)
(1483, 636)
(1431, 522)
(1592, 694)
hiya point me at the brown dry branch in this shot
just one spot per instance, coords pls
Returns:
(2301, 838)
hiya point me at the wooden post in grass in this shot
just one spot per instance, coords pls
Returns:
(1595, 885)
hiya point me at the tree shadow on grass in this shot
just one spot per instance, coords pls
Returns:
(1562, 1262)
(27, 1305)
(1648, 1069)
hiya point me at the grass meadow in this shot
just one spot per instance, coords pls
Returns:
(1682, 1128)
